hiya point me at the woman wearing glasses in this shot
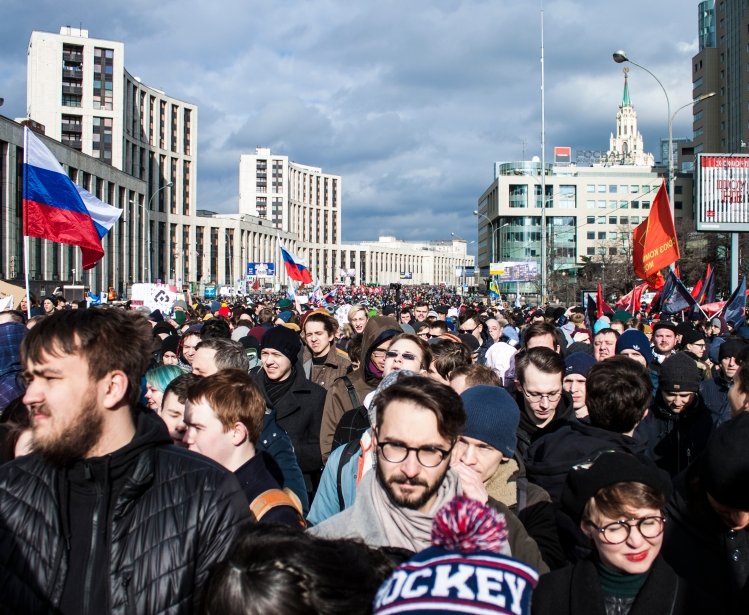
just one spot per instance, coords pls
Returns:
(618, 501)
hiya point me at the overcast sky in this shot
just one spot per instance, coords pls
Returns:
(410, 101)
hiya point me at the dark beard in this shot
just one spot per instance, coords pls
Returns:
(76, 441)
(400, 479)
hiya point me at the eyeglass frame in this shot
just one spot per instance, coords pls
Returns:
(379, 352)
(469, 332)
(602, 529)
(443, 453)
(530, 396)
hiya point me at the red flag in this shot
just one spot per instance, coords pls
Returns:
(256, 284)
(601, 306)
(654, 242)
(697, 289)
(632, 300)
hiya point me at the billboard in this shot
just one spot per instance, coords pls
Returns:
(514, 272)
(722, 192)
(261, 270)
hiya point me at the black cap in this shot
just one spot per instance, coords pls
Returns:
(664, 324)
(608, 468)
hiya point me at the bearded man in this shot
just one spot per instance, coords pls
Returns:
(106, 515)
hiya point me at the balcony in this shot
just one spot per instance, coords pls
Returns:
(75, 90)
(72, 73)
(71, 128)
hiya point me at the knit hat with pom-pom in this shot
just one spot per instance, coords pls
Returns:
(464, 571)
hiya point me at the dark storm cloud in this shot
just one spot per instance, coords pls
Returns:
(410, 102)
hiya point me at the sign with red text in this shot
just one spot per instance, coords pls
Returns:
(722, 192)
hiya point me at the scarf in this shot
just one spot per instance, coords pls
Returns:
(403, 527)
(276, 389)
(372, 369)
(499, 486)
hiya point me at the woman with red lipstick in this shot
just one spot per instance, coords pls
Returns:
(618, 501)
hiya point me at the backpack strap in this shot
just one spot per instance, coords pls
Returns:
(308, 368)
(351, 392)
(271, 498)
(522, 493)
(351, 449)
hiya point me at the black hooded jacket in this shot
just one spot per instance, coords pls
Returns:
(528, 431)
(135, 531)
(674, 440)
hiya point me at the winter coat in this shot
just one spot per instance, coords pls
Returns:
(299, 412)
(712, 558)
(533, 507)
(284, 467)
(165, 517)
(338, 400)
(336, 365)
(576, 590)
(715, 395)
(674, 440)
(550, 457)
(528, 431)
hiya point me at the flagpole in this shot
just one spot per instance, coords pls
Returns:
(25, 222)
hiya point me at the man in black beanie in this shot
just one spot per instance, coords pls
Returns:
(707, 536)
(296, 402)
(676, 429)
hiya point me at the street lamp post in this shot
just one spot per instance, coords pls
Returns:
(148, 220)
(476, 212)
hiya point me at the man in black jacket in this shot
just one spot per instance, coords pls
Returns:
(107, 516)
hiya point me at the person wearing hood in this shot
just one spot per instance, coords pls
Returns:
(678, 425)
(296, 402)
(348, 392)
(540, 393)
(105, 485)
(717, 333)
(715, 390)
(635, 345)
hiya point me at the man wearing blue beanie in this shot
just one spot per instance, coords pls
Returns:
(484, 458)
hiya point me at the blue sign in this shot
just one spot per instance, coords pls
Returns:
(261, 270)
(210, 292)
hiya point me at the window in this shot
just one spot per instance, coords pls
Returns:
(612, 251)
(602, 235)
(601, 204)
(623, 204)
(612, 188)
(602, 188)
(601, 219)
(590, 220)
(646, 204)
(591, 235)
(634, 220)
(613, 235)
(590, 188)
(590, 204)
(634, 189)
(591, 251)
(612, 219)
(623, 220)
(635, 204)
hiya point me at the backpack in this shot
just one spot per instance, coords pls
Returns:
(271, 498)
(354, 422)
(352, 448)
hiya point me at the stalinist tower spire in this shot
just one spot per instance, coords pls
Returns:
(626, 144)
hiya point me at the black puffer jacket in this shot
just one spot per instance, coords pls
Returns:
(171, 515)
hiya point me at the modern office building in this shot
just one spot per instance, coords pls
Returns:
(721, 123)
(590, 210)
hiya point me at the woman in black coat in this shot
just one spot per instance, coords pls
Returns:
(618, 500)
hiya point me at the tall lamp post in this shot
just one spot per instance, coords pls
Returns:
(621, 57)
(476, 212)
(148, 220)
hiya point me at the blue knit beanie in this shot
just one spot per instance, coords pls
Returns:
(578, 363)
(632, 339)
(492, 416)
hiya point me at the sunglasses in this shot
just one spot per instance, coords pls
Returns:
(407, 356)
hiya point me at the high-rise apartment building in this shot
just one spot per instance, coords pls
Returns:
(721, 123)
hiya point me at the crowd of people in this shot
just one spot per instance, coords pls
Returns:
(392, 451)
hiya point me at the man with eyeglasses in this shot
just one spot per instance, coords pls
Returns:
(694, 345)
(417, 423)
(539, 393)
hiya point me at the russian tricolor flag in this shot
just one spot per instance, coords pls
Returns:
(55, 208)
(295, 268)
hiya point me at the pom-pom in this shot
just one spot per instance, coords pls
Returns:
(466, 526)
